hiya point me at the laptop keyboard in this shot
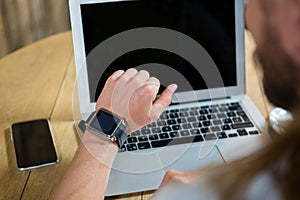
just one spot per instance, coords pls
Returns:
(195, 124)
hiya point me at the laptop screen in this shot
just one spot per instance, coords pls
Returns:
(211, 23)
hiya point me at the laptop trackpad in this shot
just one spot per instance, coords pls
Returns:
(141, 171)
(135, 172)
(189, 158)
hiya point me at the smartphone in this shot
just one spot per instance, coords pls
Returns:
(34, 145)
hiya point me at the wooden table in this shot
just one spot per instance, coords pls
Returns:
(37, 82)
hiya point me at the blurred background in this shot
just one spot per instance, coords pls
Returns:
(25, 21)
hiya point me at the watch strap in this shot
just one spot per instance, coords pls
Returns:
(121, 135)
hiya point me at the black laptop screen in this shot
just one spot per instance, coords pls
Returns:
(211, 23)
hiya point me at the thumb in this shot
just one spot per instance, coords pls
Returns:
(162, 102)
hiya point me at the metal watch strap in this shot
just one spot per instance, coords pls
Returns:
(121, 135)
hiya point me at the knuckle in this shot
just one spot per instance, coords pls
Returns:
(124, 78)
(136, 82)
(154, 80)
(148, 89)
(144, 72)
(132, 70)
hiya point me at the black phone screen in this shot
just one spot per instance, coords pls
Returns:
(34, 146)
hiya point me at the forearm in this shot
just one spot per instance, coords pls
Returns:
(88, 173)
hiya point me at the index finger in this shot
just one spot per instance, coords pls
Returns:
(163, 101)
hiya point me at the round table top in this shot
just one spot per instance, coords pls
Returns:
(38, 81)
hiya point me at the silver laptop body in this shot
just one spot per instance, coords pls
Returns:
(165, 37)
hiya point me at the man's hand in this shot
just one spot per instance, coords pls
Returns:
(131, 95)
(176, 176)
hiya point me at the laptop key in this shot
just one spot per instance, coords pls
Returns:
(194, 113)
(213, 110)
(232, 135)
(131, 140)
(221, 115)
(171, 122)
(164, 136)
(186, 126)
(231, 114)
(143, 138)
(217, 122)
(215, 129)
(226, 127)
(223, 109)
(164, 116)
(253, 132)
(144, 145)
(245, 118)
(181, 121)
(234, 108)
(161, 143)
(183, 114)
(212, 116)
(195, 131)
(176, 127)
(191, 119)
(240, 113)
(197, 124)
(153, 137)
(174, 134)
(206, 123)
(184, 133)
(136, 133)
(202, 118)
(153, 124)
(175, 141)
(242, 132)
(227, 121)
(145, 131)
(237, 120)
(161, 123)
(156, 130)
(131, 147)
(203, 112)
(221, 135)
(210, 136)
(204, 130)
(242, 125)
(166, 129)
(173, 115)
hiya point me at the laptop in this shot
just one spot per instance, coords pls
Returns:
(199, 45)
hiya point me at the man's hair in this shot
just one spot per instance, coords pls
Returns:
(281, 158)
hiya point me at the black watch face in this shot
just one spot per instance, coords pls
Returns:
(105, 122)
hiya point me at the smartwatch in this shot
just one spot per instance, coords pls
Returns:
(107, 124)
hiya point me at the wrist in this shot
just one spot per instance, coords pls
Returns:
(100, 148)
(89, 138)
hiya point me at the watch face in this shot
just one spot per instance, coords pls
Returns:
(105, 122)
